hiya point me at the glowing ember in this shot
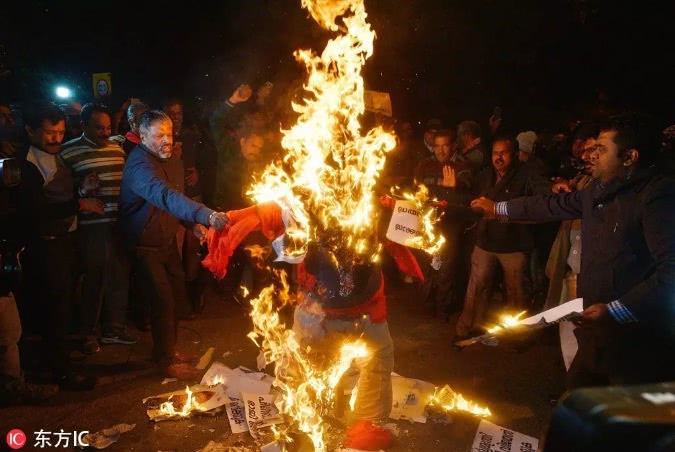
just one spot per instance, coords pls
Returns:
(449, 400)
(330, 168)
(306, 384)
(189, 405)
(507, 321)
(244, 291)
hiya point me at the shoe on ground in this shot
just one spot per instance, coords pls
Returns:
(118, 337)
(15, 391)
(90, 345)
(76, 382)
(182, 371)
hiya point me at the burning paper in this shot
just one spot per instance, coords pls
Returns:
(514, 325)
(260, 412)
(181, 404)
(449, 400)
(238, 380)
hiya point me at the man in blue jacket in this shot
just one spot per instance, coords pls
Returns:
(151, 206)
(627, 277)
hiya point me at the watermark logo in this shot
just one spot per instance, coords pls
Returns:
(16, 439)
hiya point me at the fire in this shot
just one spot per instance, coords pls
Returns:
(428, 239)
(189, 405)
(307, 384)
(507, 321)
(327, 177)
(449, 400)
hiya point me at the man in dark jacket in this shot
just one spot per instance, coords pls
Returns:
(48, 205)
(627, 277)
(503, 243)
(151, 206)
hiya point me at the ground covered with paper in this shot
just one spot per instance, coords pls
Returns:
(516, 386)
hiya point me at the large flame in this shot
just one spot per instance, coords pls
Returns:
(330, 169)
(307, 384)
(449, 400)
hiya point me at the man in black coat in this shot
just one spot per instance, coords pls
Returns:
(627, 277)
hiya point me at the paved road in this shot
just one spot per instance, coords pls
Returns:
(516, 386)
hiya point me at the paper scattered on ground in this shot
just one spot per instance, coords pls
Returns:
(491, 437)
(236, 414)
(271, 447)
(238, 380)
(410, 398)
(205, 359)
(169, 380)
(207, 398)
(106, 437)
(260, 412)
(226, 354)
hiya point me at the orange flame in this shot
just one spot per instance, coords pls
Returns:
(449, 400)
(330, 168)
(307, 387)
(507, 321)
(189, 406)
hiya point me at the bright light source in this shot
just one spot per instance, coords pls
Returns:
(63, 92)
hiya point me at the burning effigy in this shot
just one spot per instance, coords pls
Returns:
(319, 207)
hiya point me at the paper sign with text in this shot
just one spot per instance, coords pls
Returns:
(236, 414)
(493, 438)
(405, 223)
(377, 102)
(260, 412)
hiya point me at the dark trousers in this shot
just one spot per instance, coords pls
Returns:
(439, 285)
(49, 273)
(105, 284)
(161, 279)
(608, 354)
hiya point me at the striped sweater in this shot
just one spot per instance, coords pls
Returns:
(84, 157)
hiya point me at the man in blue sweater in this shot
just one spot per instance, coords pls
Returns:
(150, 207)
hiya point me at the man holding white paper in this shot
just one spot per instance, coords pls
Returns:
(627, 277)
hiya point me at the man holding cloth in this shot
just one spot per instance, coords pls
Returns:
(150, 209)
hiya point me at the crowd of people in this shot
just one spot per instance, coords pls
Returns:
(113, 209)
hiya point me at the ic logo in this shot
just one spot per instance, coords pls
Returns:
(16, 439)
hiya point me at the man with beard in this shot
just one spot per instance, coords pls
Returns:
(627, 277)
(150, 209)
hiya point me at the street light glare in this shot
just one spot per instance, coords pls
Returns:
(63, 92)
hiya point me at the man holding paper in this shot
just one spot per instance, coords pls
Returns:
(627, 277)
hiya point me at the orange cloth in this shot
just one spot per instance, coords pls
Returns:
(365, 435)
(221, 244)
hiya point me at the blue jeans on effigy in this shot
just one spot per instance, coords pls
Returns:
(374, 397)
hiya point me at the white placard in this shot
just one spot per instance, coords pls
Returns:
(260, 412)
(405, 223)
(236, 414)
(493, 438)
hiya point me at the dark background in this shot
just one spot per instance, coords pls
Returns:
(543, 61)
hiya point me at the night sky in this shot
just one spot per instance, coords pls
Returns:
(542, 61)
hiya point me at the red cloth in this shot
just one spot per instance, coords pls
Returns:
(132, 137)
(375, 307)
(365, 435)
(221, 244)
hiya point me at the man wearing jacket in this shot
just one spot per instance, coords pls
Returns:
(627, 277)
(151, 206)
